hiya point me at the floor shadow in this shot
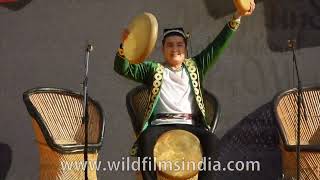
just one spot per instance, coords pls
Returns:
(254, 138)
(5, 160)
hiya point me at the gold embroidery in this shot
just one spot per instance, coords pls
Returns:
(155, 90)
(133, 151)
(189, 62)
(198, 98)
(201, 106)
(203, 111)
(234, 24)
(159, 69)
(156, 84)
(153, 97)
(195, 84)
(193, 76)
(192, 69)
(196, 91)
(158, 76)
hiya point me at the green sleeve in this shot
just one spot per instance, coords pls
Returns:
(137, 72)
(207, 57)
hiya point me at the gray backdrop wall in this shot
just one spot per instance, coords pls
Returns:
(43, 45)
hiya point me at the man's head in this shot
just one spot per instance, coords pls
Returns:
(174, 46)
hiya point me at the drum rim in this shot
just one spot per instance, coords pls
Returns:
(242, 5)
(153, 29)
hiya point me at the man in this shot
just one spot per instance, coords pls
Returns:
(176, 89)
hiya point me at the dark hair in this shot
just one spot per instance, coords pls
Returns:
(174, 32)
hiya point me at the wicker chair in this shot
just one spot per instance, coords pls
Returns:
(137, 100)
(57, 122)
(285, 107)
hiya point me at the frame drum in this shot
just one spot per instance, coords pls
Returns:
(178, 155)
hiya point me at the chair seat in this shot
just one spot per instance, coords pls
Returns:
(63, 141)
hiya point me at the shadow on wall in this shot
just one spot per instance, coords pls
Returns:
(221, 8)
(284, 19)
(254, 138)
(5, 160)
(14, 5)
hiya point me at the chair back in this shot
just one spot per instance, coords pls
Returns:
(58, 113)
(286, 111)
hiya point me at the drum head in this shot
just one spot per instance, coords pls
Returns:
(182, 149)
(143, 32)
(242, 5)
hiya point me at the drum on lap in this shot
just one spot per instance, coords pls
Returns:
(178, 155)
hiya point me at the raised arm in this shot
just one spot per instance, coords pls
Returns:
(137, 72)
(206, 58)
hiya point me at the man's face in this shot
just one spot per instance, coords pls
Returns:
(174, 50)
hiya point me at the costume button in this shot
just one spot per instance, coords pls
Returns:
(193, 76)
(194, 83)
(158, 76)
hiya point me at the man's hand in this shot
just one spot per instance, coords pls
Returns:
(238, 14)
